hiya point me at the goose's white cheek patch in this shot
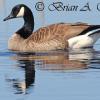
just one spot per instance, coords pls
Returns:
(21, 12)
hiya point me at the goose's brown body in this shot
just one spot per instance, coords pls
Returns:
(52, 37)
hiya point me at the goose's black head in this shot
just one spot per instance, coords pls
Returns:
(23, 11)
(20, 10)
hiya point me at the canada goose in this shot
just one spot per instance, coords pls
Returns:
(52, 37)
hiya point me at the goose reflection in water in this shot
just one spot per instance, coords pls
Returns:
(28, 81)
(72, 60)
(49, 61)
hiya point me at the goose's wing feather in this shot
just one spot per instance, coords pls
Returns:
(61, 31)
(54, 36)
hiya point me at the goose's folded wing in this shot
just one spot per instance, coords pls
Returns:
(57, 31)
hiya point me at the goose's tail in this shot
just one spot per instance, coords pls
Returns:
(87, 38)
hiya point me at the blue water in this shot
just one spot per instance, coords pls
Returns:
(56, 75)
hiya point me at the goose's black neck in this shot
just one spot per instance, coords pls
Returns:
(28, 27)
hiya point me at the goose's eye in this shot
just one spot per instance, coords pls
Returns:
(15, 10)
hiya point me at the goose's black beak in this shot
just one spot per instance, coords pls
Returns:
(9, 17)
